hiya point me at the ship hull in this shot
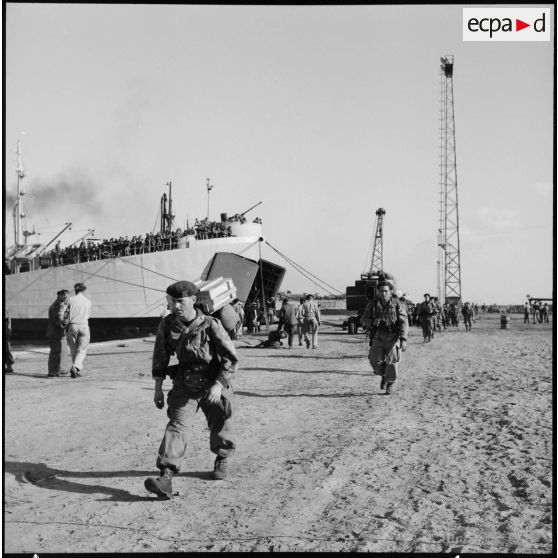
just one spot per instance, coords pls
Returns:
(102, 329)
(127, 293)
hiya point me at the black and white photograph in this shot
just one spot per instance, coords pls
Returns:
(279, 278)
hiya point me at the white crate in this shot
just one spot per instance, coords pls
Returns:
(215, 294)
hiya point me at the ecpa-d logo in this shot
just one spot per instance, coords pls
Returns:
(506, 24)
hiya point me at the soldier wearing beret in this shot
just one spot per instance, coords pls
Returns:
(386, 319)
(206, 361)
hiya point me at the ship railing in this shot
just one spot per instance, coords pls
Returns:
(74, 255)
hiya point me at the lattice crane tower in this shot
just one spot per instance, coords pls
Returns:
(377, 262)
(449, 272)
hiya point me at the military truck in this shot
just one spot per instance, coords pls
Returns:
(361, 293)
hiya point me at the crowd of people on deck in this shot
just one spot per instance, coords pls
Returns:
(92, 250)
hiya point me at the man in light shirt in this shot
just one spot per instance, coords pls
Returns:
(311, 314)
(77, 333)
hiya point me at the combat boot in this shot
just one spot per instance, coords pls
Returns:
(383, 382)
(389, 389)
(220, 468)
(162, 485)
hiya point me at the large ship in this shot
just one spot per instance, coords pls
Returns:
(126, 283)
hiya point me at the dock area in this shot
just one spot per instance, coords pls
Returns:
(459, 459)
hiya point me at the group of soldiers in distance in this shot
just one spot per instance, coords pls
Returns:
(432, 316)
(539, 313)
(124, 246)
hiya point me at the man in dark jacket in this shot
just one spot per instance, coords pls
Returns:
(288, 320)
(386, 319)
(206, 361)
(58, 317)
(6, 349)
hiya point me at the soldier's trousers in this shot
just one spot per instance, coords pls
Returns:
(218, 416)
(78, 341)
(55, 355)
(310, 331)
(291, 330)
(427, 325)
(385, 354)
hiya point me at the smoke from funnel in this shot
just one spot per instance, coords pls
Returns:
(60, 194)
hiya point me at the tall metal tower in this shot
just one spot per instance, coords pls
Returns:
(449, 274)
(377, 261)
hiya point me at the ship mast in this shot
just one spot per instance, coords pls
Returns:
(18, 207)
(166, 218)
(18, 215)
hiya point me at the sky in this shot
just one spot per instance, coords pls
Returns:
(322, 113)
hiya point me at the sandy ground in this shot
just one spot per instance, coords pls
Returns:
(458, 459)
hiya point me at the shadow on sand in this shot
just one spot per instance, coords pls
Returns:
(49, 478)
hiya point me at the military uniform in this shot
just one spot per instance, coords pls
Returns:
(58, 317)
(427, 314)
(388, 325)
(205, 354)
(467, 313)
(288, 320)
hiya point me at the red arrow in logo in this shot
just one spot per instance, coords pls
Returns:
(519, 25)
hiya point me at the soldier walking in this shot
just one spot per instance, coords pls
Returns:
(386, 319)
(237, 305)
(535, 309)
(467, 313)
(288, 320)
(300, 322)
(526, 310)
(206, 361)
(427, 312)
(312, 320)
(58, 316)
(77, 334)
(437, 318)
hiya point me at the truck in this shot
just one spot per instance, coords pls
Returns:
(363, 291)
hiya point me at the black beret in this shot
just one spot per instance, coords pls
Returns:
(426, 294)
(182, 289)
